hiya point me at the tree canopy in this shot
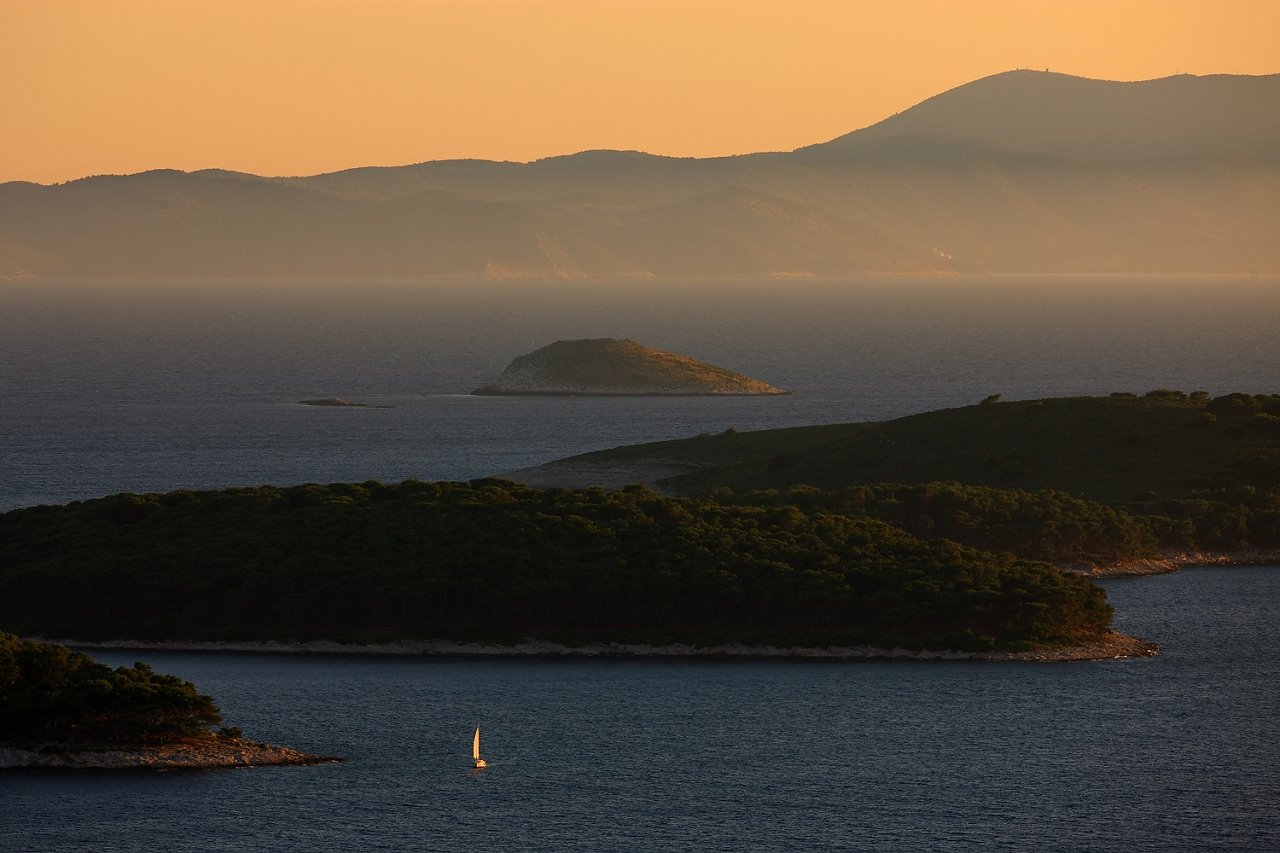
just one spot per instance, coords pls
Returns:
(49, 692)
(494, 561)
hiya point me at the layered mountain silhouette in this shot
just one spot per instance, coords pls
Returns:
(1019, 172)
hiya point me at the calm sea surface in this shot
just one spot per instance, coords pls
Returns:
(109, 386)
(128, 386)
(1177, 752)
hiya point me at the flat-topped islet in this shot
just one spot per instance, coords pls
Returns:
(608, 366)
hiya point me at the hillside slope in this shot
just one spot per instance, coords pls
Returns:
(1058, 114)
(1112, 449)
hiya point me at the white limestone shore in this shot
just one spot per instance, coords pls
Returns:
(205, 753)
(1113, 646)
(1172, 561)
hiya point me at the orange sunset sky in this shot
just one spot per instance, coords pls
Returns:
(288, 87)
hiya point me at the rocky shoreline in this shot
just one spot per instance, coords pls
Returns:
(1171, 562)
(203, 754)
(1113, 646)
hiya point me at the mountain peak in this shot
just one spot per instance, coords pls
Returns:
(1046, 112)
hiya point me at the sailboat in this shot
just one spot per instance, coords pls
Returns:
(476, 760)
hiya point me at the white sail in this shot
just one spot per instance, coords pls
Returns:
(475, 745)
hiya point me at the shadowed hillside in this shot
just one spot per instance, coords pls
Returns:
(1090, 480)
(1105, 448)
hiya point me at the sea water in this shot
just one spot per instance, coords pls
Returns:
(110, 386)
(1176, 752)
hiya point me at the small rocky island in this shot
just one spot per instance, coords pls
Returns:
(338, 402)
(613, 367)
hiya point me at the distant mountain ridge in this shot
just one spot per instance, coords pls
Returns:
(1057, 114)
(1023, 171)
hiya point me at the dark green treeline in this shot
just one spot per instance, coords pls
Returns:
(51, 693)
(493, 561)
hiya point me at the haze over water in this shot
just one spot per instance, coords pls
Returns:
(109, 386)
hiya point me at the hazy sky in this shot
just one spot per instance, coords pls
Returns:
(283, 87)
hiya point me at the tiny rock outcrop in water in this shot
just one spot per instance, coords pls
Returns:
(607, 366)
(338, 402)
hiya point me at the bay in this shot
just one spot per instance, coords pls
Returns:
(1176, 752)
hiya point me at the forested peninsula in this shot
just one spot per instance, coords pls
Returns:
(491, 561)
(1112, 484)
(946, 531)
(61, 709)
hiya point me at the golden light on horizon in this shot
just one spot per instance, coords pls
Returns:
(283, 87)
